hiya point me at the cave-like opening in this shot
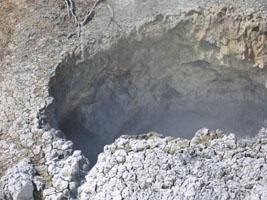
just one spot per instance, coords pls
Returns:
(163, 85)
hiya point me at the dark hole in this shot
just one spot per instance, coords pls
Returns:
(257, 28)
(155, 85)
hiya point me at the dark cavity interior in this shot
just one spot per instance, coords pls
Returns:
(164, 85)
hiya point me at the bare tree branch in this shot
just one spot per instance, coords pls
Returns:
(111, 14)
(90, 12)
(68, 6)
(88, 16)
(112, 17)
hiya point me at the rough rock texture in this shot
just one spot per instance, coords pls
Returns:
(172, 84)
(18, 182)
(234, 34)
(210, 166)
(33, 45)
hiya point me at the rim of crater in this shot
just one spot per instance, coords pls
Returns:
(150, 27)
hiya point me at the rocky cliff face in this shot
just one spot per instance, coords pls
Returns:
(138, 66)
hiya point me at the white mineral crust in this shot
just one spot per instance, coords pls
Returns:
(213, 166)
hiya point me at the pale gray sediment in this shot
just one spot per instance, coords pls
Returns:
(166, 59)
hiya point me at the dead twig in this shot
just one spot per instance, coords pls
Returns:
(88, 16)
(112, 17)
(71, 12)
(111, 14)
(68, 6)
(90, 12)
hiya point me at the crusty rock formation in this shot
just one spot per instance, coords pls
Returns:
(18, 182)
(210, 166)
(37, 161)
(230, 33)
